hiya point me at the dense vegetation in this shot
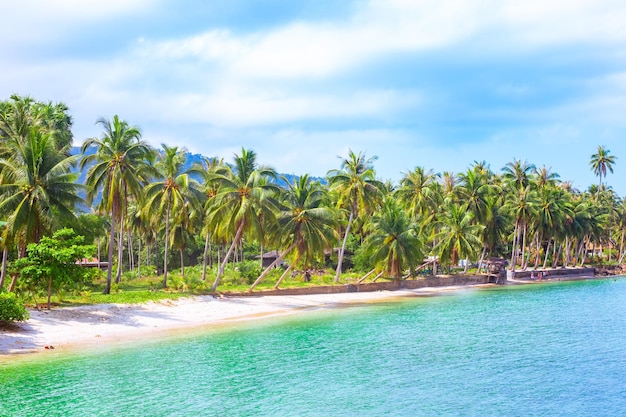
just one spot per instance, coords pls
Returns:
(150, 212)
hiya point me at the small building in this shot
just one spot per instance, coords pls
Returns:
(496, 268)
(269, 258)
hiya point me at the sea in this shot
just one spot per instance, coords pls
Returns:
(549, 349)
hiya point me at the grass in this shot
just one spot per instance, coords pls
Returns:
(133, 290)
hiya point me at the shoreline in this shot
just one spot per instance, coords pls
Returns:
(71, 329)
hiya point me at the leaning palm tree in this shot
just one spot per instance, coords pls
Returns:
(601, 162)
(172, 192)
(305, 223)
(357, 189)
(393, 240)
(119, 171)
(243, 199)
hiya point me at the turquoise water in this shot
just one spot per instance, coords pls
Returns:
(537, 350)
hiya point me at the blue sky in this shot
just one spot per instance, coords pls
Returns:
(433, 83)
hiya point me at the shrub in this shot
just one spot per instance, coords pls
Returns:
(249, 270)
(11, 309)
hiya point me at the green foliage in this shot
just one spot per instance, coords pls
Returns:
(51, 263)
(249, 270)
(362, 260)
(11, 309)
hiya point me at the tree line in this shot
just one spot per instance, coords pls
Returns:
(137, 199)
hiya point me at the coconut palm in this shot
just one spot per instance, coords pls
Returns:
(37, 189)
(21, 113)
(458, 237)
(601, 162)
(243, 199)
(209, 170)
(304, 223)
(393, 240)
(416, 193)
(517, 174)
(119, 172)
(520, 204)
(172, 192)
(357, 189)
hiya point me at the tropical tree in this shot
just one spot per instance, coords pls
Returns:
(416, 192)
(51, 263)
(517, 174)
(209, 170)
(393, 240)
(357, 189)
(174, 191)
(243, 199)
(458, 237)
(119, 172)
(520, 204)
(601, 162)
(304, 222)
(37, 189)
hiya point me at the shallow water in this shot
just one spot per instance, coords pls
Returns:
(533, 350)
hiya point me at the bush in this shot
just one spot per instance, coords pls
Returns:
(11, 309)
(249, 270)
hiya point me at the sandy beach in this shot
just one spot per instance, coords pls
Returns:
(83, 327)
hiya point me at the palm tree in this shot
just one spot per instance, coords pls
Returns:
(209, 170)
(37, 189)
(119, 172)
(171, 193)
(416, 192)
(520, 203)
(458, 236)
(601, 162)
(305, 224)
(518, 173)
(393, 240)
(357, 189)
(244, 197)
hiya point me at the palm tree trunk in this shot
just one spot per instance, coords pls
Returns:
(514, 247)
(273, 264)
(364, 277)
(523, 260)
(3, 271)
(545, 258)
(49, 291)
(261, 255)
(555, 261)
(482, 257)
(284, 274)
(131, 255)
(220, 271)
(139, 258)
(182, 263)
(204, 255)
(107, 288)
(343, 246)
(120, 252)
(167, 243)
(538, 249)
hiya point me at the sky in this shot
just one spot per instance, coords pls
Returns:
(434, 83)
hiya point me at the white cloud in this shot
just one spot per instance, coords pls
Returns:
(42, 22)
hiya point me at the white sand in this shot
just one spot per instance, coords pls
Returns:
(106, 324)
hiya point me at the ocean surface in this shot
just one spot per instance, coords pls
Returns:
(554, 349)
